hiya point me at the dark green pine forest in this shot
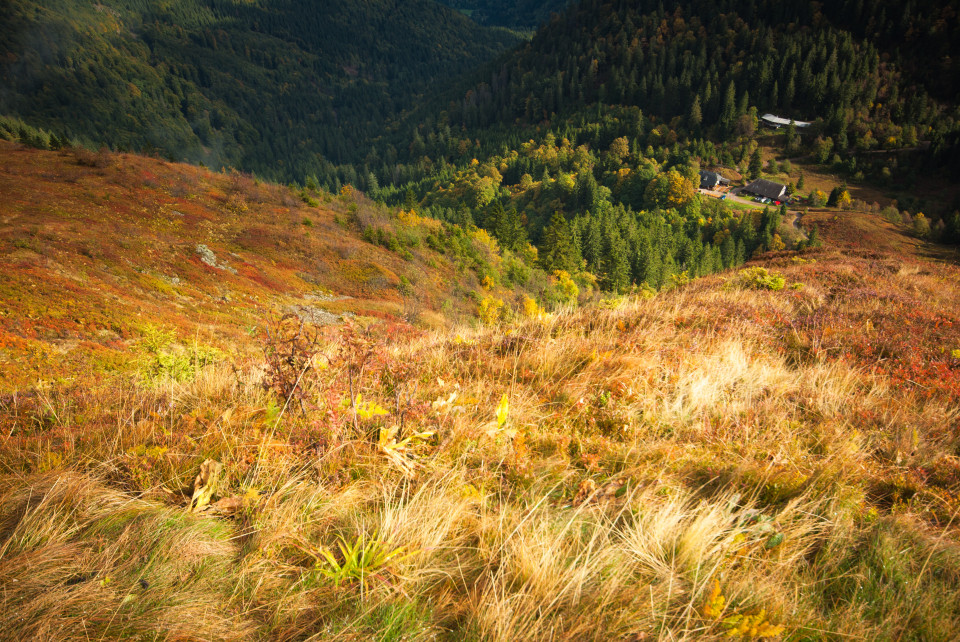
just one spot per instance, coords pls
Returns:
(518, 14)
(270, 87)
(578, 149)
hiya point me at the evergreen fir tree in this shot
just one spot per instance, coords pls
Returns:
(834, 197)
(593, 243)
(696, 113)
(741, 254)
(587, 191)
(409, 199)
(648, 264)
(557, 251)
(756, 164)
(615, 266)
(728, 249)
(509, 229)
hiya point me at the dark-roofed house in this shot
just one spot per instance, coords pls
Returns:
(767, 189)
(710, 180)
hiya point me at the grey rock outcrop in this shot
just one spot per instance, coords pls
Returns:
(207, 257)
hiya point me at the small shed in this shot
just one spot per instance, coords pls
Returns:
(767, 189)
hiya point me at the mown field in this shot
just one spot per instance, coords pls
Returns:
(773, 452)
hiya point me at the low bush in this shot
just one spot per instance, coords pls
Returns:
(758, 278)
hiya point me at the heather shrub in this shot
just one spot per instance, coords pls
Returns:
(165, 358)
(758, 278)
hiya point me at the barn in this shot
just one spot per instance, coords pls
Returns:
(767, 189)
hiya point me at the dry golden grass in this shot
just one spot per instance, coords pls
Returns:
(671, 468)
(649, 451)
(81, 560)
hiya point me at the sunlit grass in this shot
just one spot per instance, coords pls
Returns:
(714, 461)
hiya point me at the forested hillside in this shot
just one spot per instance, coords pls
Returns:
(579, 151)
(923, 36)
(607, 115)
(709, 62)
(519, 14)
(271, 87)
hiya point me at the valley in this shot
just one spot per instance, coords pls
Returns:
(463, 321)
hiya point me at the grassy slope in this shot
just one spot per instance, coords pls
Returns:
(795, 450)
(98, 249)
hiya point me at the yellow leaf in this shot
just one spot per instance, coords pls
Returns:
(714, 605)
(503, 411)
(369, 409)
(387, 437)
(205, 484)
(442, 403)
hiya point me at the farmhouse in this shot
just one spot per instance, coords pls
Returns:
(767, 189)
(710, 180)
(776, 122)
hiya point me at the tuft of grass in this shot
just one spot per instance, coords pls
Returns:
(89, 561)
(358, 561)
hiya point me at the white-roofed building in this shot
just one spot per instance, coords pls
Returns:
(776, 122)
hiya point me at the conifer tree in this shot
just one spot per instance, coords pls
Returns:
(615, 266)
(648, 265)
(756, 163)
(592, 239)
(587, 191)
(741, 255)
(706, 261)
(729, 111)
(696, 113)
(728, 249)
(409, 199)
(558, 251)
(495, 221)
(511, 230)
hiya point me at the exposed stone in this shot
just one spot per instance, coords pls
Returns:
(316, 316)
(326, 297)
(206, 255)
(209, 258)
